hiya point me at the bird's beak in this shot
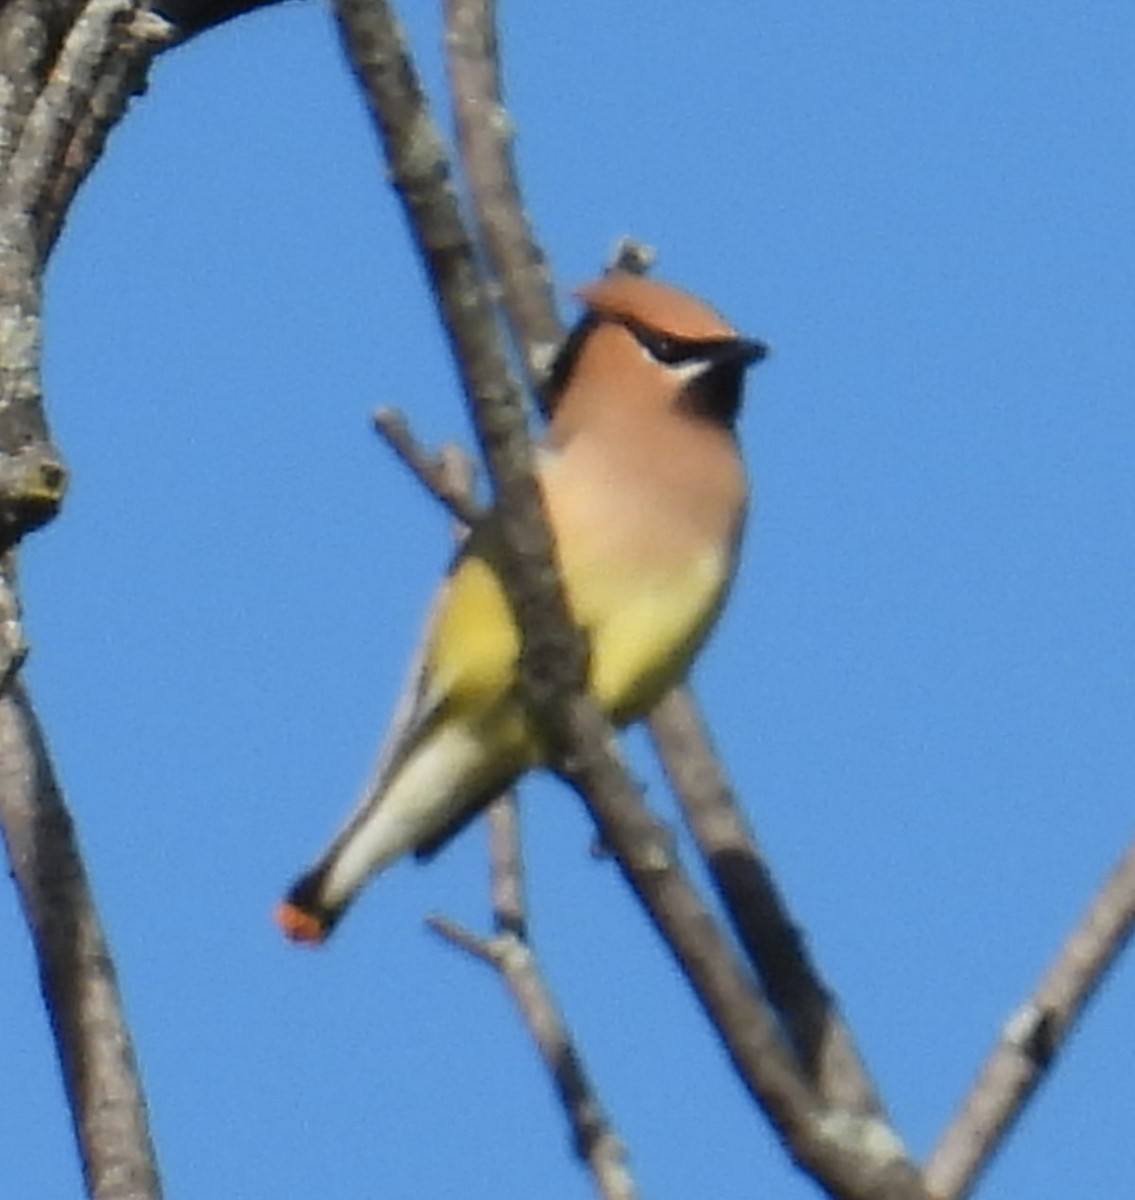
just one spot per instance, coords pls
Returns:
(747, 351)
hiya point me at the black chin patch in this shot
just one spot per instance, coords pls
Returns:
(715, 394)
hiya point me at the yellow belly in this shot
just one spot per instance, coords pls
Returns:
(645, 624)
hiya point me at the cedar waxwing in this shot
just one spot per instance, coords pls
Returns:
(646, 496)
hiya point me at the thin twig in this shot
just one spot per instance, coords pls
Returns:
(434, 472)
(594, 1137)
(485, 135)
(1033, 1037)
(506, 868)
(753, 902)
(632, 256)
(596, 1144)
(462, 939)
(553, 663)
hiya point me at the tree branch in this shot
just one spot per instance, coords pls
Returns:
(77, 975)
(67, 73)
(52, 141)
(438, 474)
(449, 478)
(103, 60)
(597, 1145)
(506, 869)
(1033, 1037)
(485, 135)
(820, 1039)
(851, 1158)
(762, 923)
(420, 172)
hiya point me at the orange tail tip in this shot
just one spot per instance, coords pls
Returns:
(300, 926)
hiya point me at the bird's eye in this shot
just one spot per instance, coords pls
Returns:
(668, 350)
(663, 348)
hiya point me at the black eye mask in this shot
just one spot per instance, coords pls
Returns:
(674, 351)
(664, 348)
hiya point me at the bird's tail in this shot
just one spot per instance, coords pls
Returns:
(317, 900)
(428, 795)
(415, 805)
(302, 915)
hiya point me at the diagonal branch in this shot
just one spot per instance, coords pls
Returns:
(1033, 1037)
(421, 174)
(77, 975)
(438, 474)
(449, 478)
(485, 135)
(70, 91)
(756, 909)
(765, 928)
(509, 953)
(850, 1160)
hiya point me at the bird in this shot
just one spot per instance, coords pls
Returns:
(646, 496)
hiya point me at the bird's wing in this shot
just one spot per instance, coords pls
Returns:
(465, 658)
(416, 707)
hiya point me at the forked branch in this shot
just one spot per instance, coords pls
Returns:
(1033, 1037)
(509, 953)
(848, 1163)
(767, 932)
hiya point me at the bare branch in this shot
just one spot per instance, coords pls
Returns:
(77, 975)
(1033, 1037)
(102, 63)
(485, 135)
(69, 70)
(50, 149)
(434, 472)
(596, 1143)
(853, 1159)
(765, 928)
(819, 1037)
(103, 60)
(632, 256)
(850, 1155)
(506, 868)
(420, 172)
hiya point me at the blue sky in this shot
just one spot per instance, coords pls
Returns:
(923, 687)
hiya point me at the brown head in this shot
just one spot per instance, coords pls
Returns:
(644, 347)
